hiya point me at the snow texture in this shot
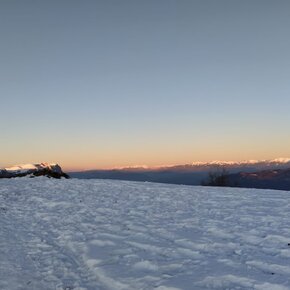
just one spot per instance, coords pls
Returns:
(96, 234)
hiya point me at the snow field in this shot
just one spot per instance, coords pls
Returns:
(97, 234)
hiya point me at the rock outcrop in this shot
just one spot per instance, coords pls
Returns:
(33, 170)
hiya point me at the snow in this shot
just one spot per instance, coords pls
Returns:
(21, 167)
(97, 234)
(244, 162)
(26, 167)
(265, 162)
(281, 160)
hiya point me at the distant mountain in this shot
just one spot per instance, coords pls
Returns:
(267, 179)
(232, 166)
(190, 174)
(33, 170)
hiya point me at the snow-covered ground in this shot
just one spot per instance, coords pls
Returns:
(96, 234)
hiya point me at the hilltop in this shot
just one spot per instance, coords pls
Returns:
(33, 170)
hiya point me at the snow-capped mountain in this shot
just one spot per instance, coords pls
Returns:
(41, 169)
(191, 174)
(278, 163)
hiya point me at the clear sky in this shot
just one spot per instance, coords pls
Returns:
(104, 83)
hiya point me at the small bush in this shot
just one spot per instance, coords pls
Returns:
(219, 177)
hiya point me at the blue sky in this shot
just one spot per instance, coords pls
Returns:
(94, 84)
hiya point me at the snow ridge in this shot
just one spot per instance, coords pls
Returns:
(33, 170)
(265, 163)
(26, 167)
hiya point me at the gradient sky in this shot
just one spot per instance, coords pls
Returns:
(104, 83)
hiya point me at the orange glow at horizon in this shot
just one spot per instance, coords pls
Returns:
(167, 151)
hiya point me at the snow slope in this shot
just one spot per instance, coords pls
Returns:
(96, 234)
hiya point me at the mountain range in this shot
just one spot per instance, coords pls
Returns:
(266, 179)
(267, 174)
(190, 174)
